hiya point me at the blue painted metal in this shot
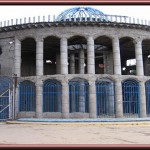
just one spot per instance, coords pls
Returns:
(5, 85)
(27, 95)
(131, 102)
(78, 96)
(82, 14)
(105, 98)
(52, 93)
(147, 88)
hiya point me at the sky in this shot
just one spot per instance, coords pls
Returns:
(8, 12)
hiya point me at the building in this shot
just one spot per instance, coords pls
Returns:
(83, 64)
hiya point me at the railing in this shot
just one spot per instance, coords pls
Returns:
(99, 18)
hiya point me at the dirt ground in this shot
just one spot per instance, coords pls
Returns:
(74, 134)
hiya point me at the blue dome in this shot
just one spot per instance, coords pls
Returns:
(78, 13)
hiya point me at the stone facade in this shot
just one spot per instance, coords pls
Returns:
(11, 59)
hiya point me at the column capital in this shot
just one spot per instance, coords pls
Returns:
(115, 38)
(39, 39)
(137, 40)
(90, 38)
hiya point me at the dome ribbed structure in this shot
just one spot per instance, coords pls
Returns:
(80, 13)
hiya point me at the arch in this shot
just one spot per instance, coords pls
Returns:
(146, 56)
(52, 91)
(105, 97)
(131, 102)
(27, 93)
(51, 55)
(77, 51)
(147, 91)
(127, 54)
(78, 95)
(28, 57)
(103, 55)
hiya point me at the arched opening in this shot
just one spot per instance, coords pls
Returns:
(27, 101)
(77, 51)
(146, 56)
(51, 55)
(127, 52)
(105, 98)
(131, 102)
(147, 88)
(52, 93)
(103, 55)
(78, 95)
(28, 57)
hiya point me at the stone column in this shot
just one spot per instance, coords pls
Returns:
(17, 61)
(142, 100)
(92, 99)
(39, 57)
(72, 63)
(58, 64)
(119, 101)
(90, 56)
(63, 56)
(39, 95)
(116, 55)
(111, 99)
(139, 58)
(81, 61)
(65, 100)
(82, 96)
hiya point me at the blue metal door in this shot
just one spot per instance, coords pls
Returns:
(131, 103)
(105, 99)
(27, 96)
(147, 88)
(5, 98)
(52, 92)
(78, 96)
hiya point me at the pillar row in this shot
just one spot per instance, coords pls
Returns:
(39, 57)
(116, 55)
(17, 61)
(139, 58)
(90, 56)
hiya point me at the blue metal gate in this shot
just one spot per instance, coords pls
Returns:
(131, 103)
(105, 99)
(147, 88)
(27, 96)
(79, 96)
(5, 97)
(52, 93)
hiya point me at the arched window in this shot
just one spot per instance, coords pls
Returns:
(131, 103)
(52, 91)
(105, 98)
(27, 96)
(79, 96)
